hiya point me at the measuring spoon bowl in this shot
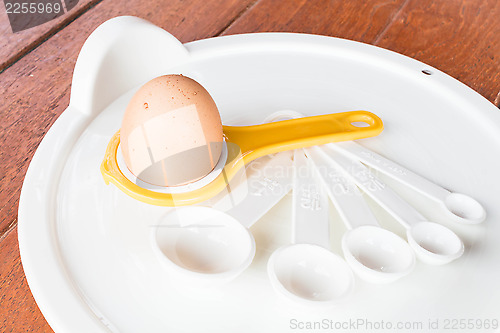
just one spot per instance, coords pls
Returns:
(463, 208)
(210, 247)
(203, 244)
(309, 273)
(434, 244)
(377, 255)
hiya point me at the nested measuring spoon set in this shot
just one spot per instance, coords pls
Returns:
(208, 239)
(308, 271)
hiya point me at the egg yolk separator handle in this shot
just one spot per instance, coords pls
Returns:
(246, 143)
(269, 138)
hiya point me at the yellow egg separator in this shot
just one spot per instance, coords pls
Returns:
(245, 144)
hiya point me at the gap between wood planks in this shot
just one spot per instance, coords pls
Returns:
(389, 24)
(497, 100)
(5, 231)
(237, 17)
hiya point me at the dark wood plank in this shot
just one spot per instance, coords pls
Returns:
(36, 89)
(18, 311)
(357, 20)
(14, 46)
(461, 38)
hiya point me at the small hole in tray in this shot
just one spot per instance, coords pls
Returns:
(427, 72)
(360, 124)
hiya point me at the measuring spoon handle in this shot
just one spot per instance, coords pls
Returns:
(392, 169)
(310, 204)
(267, 182)
(358, 173)
(346, 197)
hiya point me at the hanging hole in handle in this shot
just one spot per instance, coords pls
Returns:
(361, 120)
(427, 72)
(360, 124)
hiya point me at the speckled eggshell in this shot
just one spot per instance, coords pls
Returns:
(171, 132)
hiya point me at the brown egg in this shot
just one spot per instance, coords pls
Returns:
(171, 132)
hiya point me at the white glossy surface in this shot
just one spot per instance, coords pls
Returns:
(86, 248)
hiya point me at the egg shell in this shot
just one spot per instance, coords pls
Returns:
(171, 132)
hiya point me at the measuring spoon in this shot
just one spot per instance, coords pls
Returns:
(376, 255)
(307, 271)
(211, 247)
(433, 243)
(460, 207)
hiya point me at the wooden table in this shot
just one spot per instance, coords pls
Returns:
(459, 37)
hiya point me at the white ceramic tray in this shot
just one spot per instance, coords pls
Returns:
(85, 246)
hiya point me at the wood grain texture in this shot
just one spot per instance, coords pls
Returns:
(323, 17)
(36, 89)
(460, 37)
(19, 312)
(14, 46)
